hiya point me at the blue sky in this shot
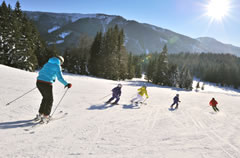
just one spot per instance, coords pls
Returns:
(186, 17)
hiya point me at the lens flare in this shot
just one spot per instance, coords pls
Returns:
(218, 9)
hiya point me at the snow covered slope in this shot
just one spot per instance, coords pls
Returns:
(92, 130)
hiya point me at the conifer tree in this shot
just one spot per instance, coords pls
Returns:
(173, 76)
(76, 58)
(96, 55)
(202, 88)
(160, 75)
(197, 86)
(186, 79)
(137, 66)
(108, 56)
(151, 69)
(131, 70)
(18, 39)
(6, 34)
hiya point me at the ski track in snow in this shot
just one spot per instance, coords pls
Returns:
(93, 129)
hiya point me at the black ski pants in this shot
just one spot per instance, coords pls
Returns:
(174, 104)
(215, 108)
(113, 97)
(47, 100)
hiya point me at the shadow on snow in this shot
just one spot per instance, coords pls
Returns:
(16, 124)
(106, 106)
(100, 107)
(130, 106)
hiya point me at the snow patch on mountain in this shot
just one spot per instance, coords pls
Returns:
(59, 41)
(64, 34)
(196, 49)
(75, 17)
(163, 40)
(138, 44)
(147, 51)
(155, 28)
(126, 39)
(107, 19)
(53, 29)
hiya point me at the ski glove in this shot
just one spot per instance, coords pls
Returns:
(69, 85)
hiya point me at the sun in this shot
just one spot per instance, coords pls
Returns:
(218, 9)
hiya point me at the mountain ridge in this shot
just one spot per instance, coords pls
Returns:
(139, 37)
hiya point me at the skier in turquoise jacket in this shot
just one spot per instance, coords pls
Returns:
(46, 77)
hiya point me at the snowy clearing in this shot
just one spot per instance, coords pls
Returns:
(93, 130)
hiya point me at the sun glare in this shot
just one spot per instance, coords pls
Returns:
(218, 9)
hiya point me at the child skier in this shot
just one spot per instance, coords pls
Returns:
(139, 98)
(116, 93)
(47, 75)
(175, 101)
(214, 103)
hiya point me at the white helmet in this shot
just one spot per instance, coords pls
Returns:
(119, 85)
(61, 59)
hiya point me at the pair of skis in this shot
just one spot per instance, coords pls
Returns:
(58, 116)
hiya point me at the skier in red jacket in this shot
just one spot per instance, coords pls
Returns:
(214, 103)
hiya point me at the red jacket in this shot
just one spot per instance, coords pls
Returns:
(213, 102)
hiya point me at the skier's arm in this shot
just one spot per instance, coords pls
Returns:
(179, 100)
(60, 77)
(146, 94)
(114, 89)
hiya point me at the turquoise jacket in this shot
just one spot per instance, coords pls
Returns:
(50, 71)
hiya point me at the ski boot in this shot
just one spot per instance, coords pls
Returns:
(38, 117)
(44, 119)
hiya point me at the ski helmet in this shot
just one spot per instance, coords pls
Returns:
(177, 94)
(119, 85)
(61, 59)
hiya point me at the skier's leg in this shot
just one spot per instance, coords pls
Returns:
(172, 105)
(42, 88)
(110, 99)
(214, 108)
(49, 100)
(217, 108)
(140, 98)
(134, 99)
(117, 99)
(176, 106)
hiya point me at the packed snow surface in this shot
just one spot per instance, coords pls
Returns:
(95, 130)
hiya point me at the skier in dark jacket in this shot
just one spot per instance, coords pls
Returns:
(46, 77)
(116, 93)
(175, 101)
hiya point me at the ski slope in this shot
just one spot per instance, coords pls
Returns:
(92, 130)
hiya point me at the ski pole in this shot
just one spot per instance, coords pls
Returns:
(105, 96)
(21, 96)
(144, 100)
(59, 102)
